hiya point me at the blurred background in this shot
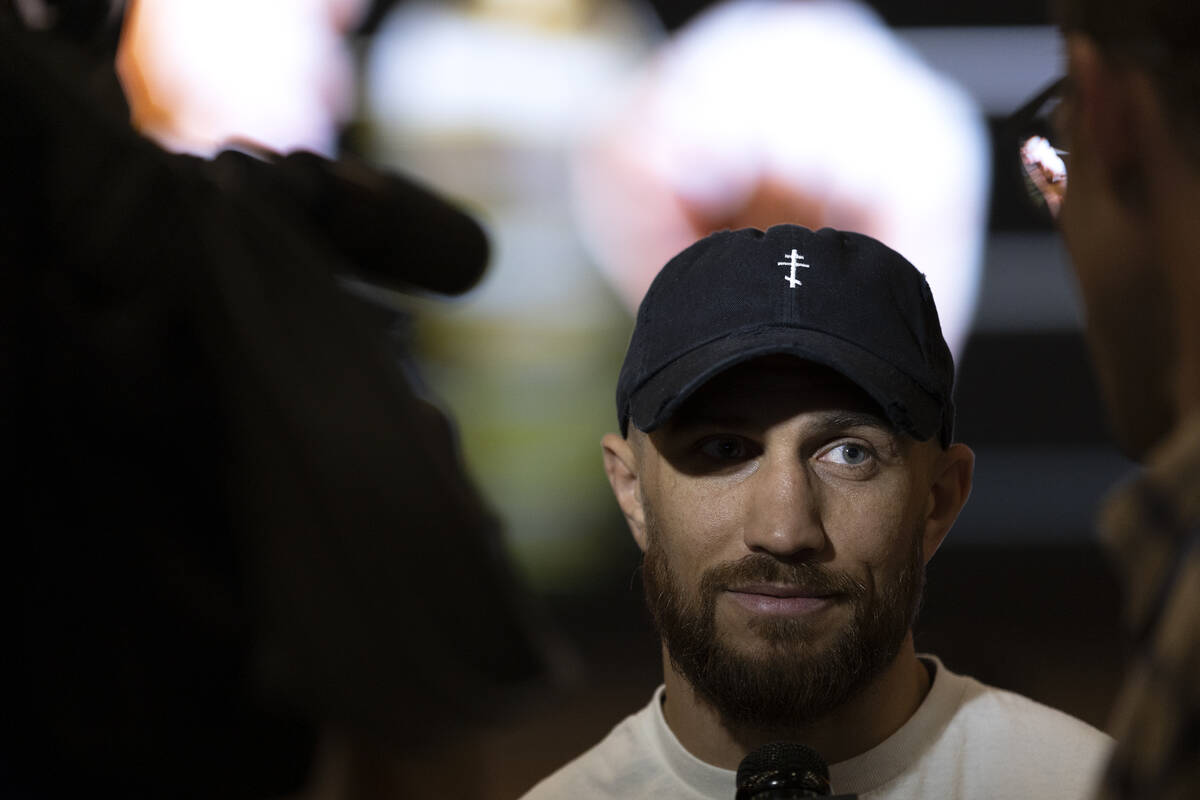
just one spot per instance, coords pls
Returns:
(595, 139)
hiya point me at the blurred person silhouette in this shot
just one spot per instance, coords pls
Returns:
(805, 111)
(786, 463)
(233, 525)
(1126, 138)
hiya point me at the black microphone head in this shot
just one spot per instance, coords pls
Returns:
(776, 767)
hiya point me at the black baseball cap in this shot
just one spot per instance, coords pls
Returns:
(836, 298)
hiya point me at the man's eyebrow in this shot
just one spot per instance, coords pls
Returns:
(856, 419)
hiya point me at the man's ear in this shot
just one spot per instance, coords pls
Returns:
(954, 469)
(621, 466)
(1118, 112)
(1096, 99)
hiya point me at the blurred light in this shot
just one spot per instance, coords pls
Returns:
(35, 13)
(484, 99)
(532, 72)
(815, 113)
(276, 73)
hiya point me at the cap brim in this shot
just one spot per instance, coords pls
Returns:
(906, 403)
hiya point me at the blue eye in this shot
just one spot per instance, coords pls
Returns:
(850, 454)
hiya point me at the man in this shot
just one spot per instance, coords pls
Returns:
(1130, 121)
(787, 467)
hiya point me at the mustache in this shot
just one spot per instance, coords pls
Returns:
(805, 576)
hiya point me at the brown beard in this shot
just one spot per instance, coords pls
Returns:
(796, 681)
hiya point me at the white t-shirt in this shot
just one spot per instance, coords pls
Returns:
(966, 740)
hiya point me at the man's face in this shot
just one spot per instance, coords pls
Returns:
(1114, 251)
(784, 524)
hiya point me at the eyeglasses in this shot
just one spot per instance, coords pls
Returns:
(1043, 166)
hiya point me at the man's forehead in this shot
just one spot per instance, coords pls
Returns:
(776, 385)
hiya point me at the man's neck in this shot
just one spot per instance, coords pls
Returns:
(873, 715)
(1181, 251)
(1173, 177)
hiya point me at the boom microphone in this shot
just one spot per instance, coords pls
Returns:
(784, 771)
(391, 230)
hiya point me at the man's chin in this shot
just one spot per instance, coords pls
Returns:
(775, 646)
(780, 672)
(781, 647)
(769, 687)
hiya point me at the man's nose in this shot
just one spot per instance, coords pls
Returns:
(784, 518)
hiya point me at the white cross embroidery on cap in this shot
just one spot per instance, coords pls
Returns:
(794, 260)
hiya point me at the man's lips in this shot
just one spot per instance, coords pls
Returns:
(771, 598)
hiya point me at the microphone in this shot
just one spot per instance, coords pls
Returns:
(784, 771)
(393, 231)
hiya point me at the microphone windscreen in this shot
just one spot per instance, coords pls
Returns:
(782, 766)
(390, 230)
(395, 231)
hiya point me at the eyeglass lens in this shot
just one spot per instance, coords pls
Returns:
(1042, 164)
(1045, 171)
